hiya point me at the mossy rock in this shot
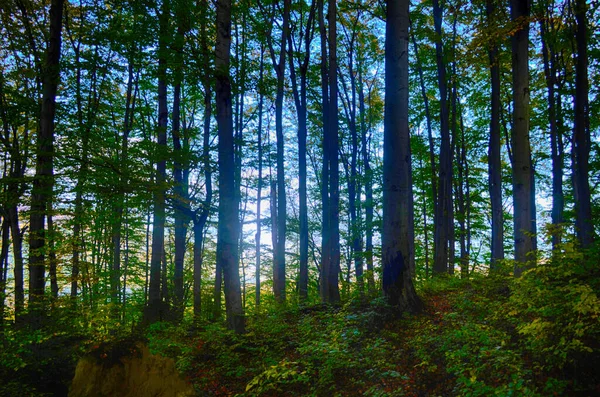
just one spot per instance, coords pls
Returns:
(129, 372)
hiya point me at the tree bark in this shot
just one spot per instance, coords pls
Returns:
(300, 102)
(334, 176)
(279, 66)
(549, 56)
(494, 153)
(581, 134)
(523, 177)
(398, 224)
(180, 171)
(155, 309)
(227, 233)
(325, 228)
(41, 194)
(368, 181)
(260, 178)
(201, 218)
(443, 208)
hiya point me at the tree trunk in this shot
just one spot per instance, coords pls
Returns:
(523, 188)
(549, 56)
(398, 228)
(154, 309)
(494, 154)
(52, 261)
(301, 110)
(581, 134)
(227, 233)
(260, 178)
(41, 194)
(334, 176)
(368, 181)
(443, 208)
(279, 66)
(3, 267)
(180, 172)
(325, 228)
(200, 221)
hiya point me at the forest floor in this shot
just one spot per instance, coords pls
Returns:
(478, 337)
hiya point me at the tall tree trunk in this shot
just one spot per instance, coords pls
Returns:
(334, 177)
(443, 209)
(180, 171)
(201, 219)
(549, 56)
(301, 110)
(122, 181)
(494, 159)
(581, 134)
(523, 188)
(397, 239)
(155, 309)
(428, 119)
(350, 106)
(368, 181)
(260, 177)
(41, 194)
(325, 227)
(279, 66)
(227, 233)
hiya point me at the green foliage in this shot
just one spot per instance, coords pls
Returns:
(555, 308)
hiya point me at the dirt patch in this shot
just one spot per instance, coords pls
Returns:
(139, 373)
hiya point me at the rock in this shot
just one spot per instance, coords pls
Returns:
(138, 374)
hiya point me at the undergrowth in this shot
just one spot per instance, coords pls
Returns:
(536, 335)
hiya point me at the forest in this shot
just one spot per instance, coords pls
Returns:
(299, 197)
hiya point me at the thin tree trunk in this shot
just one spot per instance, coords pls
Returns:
(52, 261)
(201, 219)
(428, 119)
(180, 174)
(279, 66)
(368, 181)
(494, 153)
(325, 228)
(301, 110)
(334, 177)
(260, 178)
(548, 53)
(4, 267)
(443, 209)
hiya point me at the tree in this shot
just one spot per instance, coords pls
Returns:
(330, 194)
(41, 194)
(155, 310)
(279, 66)
(581, 133)
(200, 217)
(181, 164)
(443, 203)
(494, 160)
(305, 37)
(397, 238)
(227, 237)
(523, 176)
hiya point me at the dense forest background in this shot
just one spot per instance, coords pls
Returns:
(184, 162)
